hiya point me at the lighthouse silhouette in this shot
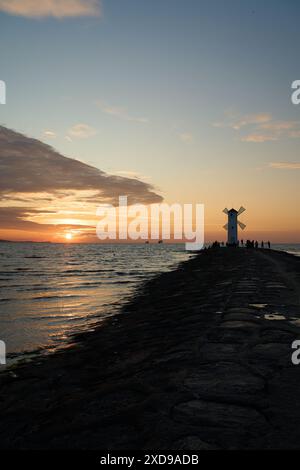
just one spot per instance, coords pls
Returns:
(232, 225)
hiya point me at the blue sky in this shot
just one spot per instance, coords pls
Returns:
(193, 96)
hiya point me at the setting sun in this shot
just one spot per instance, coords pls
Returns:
(68, 236)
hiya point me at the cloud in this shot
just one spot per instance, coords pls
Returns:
(49, 134)
(132, 174)
(260, 118)
(29, 166)
(274, 130)
(82, 131)
(285, 165)
(236, 122)
(17, 218)
(279, 126)
(186, 137)
(35, 177)
(258, 138)
(261, 127)
(120, 113)
(54, 8)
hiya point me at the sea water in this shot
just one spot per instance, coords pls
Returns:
(49, 291)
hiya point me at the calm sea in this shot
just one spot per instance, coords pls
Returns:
(293, 249)
(50, 291)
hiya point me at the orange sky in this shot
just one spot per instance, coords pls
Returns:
(48, 197)
(199, 112)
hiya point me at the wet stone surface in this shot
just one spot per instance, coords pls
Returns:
(193, 362)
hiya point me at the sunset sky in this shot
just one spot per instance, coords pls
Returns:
(182, 101)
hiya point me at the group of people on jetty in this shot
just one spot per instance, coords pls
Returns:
(247, 244)
(255, 244)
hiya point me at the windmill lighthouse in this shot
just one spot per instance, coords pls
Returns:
(232, 225)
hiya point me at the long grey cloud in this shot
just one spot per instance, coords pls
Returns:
(35, 176)
(29, 166)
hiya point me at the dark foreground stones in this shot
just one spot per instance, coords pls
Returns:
(199, 359)
(223, 415)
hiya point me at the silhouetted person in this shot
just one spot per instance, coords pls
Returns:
(269, 244)
(242, 242)
(256, 244)
(262, 244)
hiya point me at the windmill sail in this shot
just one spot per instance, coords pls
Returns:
(241, 225)
(241, 210)
(225, 210)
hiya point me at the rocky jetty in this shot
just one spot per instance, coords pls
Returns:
(199, 359)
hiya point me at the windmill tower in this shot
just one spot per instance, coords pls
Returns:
(232, 225)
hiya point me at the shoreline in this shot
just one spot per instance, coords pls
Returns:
(16, 357)
(51, 293)
(191, 362)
